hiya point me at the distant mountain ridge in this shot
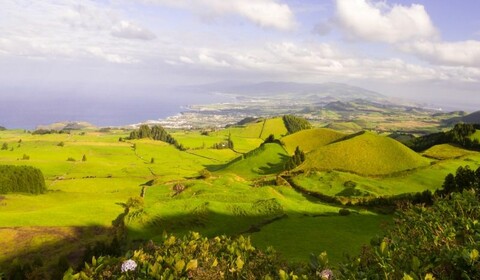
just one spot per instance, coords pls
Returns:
(320, 90)
(470, 118)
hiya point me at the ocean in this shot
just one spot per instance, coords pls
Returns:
(27, 112)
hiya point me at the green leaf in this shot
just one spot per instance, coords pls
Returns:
(239, 263)
(192, 265)
(429, 276)
(179, 265)
(415, 263)
(383, 247)
(474, 255)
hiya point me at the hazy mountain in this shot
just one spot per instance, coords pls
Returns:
(336, 91)
(470, 118)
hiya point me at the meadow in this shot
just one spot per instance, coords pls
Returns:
(90, 173)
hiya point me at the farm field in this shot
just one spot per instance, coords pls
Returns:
(90, 175)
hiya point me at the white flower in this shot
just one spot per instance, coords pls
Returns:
(129, 265)
(326, 274)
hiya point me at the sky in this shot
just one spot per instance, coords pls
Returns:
(115, 50)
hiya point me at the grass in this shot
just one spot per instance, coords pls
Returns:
(298, 237)
(475, 135)
(366, 154)
(259, 129)
(446, 151)
(348, 127)
(84, 194)
(310, 139)
(230, 205)
(267, 159)
(425, 178)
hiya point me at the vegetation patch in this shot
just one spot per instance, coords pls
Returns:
(295, 124)
(21, 179)
(156, 132)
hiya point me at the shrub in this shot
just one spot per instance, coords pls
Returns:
(5, 146)
(61, 144)
(25, 157)
(425, 243)
(193, 257)
(344, 212)
(21, 179)
(84, 158)
(294, 124)
(204, 174)
(70, 159)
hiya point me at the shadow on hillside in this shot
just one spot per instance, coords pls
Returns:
(211, 223)
(273, 168)
(53, 249)
(269, 168)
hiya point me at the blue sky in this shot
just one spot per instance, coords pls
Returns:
(423, 49)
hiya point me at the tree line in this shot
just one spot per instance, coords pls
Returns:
(24, 179)
(459, 135)
(295, 160)
(155, 132)
(294, 123)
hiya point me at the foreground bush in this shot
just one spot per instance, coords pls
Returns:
(195, 257)
(437, 242)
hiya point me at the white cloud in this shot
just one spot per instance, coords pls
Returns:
(111, 57)
(463, 53)
(315, 62)
(185, 59)
(265, 13)
(129, 30)
(376, 21)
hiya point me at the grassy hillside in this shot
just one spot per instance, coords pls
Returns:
(446, 151)
(310, 139)
(366, 154)
(349, 127)
(258, 129)
(267, 159)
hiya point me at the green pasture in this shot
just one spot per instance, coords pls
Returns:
(268, 159)
(446, 151)
(229, 205)
(365, 154)
(430, 177)
(240, 196)
(298, 237)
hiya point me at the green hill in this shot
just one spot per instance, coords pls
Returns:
(365, 153)
(470, 118)
(266, 159)
(446, 151)
(310, 139)
(344, 126)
